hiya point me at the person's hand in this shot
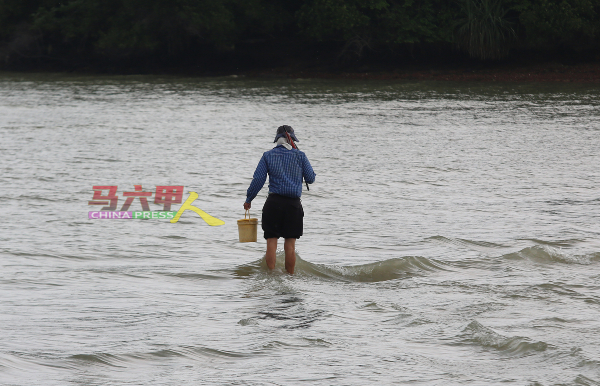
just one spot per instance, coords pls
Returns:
(247, 205)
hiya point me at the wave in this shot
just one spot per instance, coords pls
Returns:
(191, 276)
(124, 360)
(557, 243)
(477, 333)
(549, 254)
(100, 359)
(9, 361)
(470, 244)
(585, 381)
(385, 270)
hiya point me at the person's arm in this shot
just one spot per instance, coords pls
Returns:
(307, 171)
(258, 180)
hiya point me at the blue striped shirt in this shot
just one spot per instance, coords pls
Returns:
(285, 168)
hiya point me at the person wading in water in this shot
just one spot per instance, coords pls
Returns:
(282, 214)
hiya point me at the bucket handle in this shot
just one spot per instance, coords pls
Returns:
(247, 212)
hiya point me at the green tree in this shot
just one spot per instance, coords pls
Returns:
(137, 25)
(377, 23)
(484, 30)
(550, 23)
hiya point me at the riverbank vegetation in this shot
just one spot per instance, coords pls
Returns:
(215, 36)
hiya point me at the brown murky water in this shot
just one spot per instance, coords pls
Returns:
(451, 237)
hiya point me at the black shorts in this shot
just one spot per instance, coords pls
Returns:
(282, 217)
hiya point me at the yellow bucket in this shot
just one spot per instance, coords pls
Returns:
(248, 228)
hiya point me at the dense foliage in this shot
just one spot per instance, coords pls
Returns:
(167, 31)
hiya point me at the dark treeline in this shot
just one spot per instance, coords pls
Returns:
(227, 34)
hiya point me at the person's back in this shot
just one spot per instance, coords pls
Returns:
(282, 213)
(286, 169)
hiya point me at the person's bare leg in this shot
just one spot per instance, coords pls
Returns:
(289, 246)
(271, 252)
